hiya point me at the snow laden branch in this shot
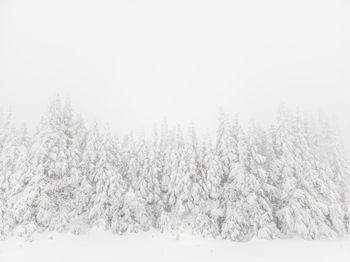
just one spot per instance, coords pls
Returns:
(289, 180)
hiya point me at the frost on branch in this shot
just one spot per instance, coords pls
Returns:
(289, 179)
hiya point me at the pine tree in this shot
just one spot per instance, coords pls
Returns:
(335, 182)
(227, 145)
(131, 216)
(299, 213)
(209, 206)
(75, 135)
(9, 164)
(107, 182)
(188, 190)
(168, 220)
(154, 174)
(47, 198)
(227, 151)
(257, 156)
(241, 197)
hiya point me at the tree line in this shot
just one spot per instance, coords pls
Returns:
(291, 179)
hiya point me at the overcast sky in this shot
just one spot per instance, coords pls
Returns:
(133, 62)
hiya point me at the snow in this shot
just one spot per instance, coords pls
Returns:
(97, 245)
(287, 181)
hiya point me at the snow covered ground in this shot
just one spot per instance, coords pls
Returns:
(103, 246)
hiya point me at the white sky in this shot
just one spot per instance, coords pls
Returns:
(133, 62)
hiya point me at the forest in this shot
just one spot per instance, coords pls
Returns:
(288, 179)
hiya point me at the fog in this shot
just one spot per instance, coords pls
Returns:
(132, 63)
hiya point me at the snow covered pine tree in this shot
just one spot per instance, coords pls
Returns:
(292, 179)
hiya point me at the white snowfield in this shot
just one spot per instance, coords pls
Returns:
(101, 246)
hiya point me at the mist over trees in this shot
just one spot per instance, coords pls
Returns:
(291, 179)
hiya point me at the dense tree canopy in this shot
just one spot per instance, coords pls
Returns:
(290, 179)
